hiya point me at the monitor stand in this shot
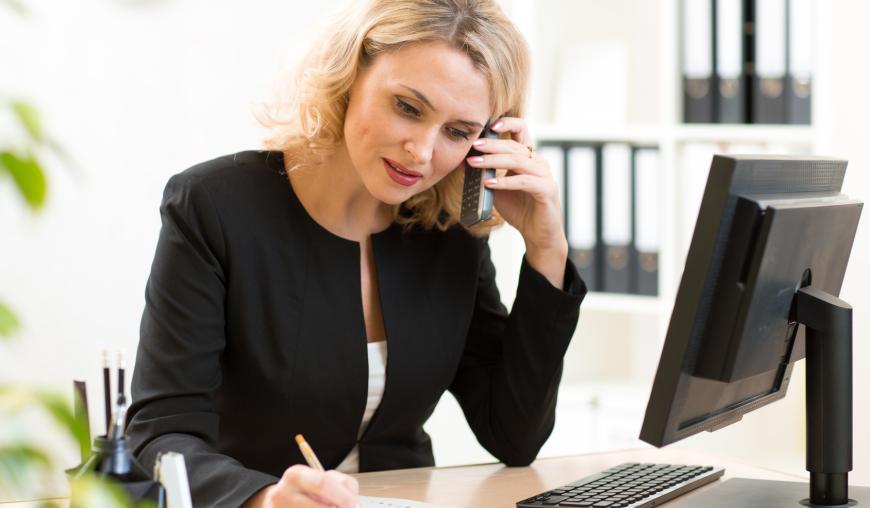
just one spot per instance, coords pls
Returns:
(828, 322)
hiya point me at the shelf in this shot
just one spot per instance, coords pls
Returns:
(721, 133)
(682, 133)
(637, 135)
(613, 302)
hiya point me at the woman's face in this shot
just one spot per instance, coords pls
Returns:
(412, 116)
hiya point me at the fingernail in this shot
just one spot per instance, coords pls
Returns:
(491, 181)
(497, 125)
(479, 142)
(475, 160)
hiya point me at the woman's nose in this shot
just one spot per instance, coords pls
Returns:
(421, 145)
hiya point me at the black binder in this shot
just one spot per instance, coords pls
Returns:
(799, 49)
(616, 217)
(583, 208)
(730, 82)
(697, 65)
(769, 79)
(645, 208)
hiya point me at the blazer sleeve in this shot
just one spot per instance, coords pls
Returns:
(509, 373)
(178, 363)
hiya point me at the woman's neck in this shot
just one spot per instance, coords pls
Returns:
(333, 195)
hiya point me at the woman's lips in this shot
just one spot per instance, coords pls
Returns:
(399, 176)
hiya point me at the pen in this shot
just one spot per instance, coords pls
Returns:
(121, 366)
(107, 390)
(308, 453)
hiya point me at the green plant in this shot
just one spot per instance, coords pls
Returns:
(23, 165)
(25, 466)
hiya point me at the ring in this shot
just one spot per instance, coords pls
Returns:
(531, 150)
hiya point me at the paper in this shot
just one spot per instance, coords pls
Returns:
(173, 476)
(382, 502)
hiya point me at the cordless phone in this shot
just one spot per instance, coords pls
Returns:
(476, 198)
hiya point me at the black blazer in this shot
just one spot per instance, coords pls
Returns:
(253, 332)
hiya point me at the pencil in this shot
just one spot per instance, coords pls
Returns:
(308, 453)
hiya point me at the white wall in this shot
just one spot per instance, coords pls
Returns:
(136, 91)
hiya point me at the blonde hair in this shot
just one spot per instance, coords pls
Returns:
(310, 125)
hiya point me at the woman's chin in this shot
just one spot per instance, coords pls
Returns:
(390, 195)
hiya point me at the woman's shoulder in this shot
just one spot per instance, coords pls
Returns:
(242, 176)
(245, 168)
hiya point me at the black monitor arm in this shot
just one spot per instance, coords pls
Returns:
(828, 322)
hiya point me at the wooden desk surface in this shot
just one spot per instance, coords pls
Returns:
(497, 486)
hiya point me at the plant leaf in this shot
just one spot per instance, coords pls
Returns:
(90, 491)
(9, 324)
(63, 414)
(28, 176)
(18, 462)
(17, 7)
(23, 453)
(28, 115)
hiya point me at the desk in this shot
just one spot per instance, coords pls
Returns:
(497, 486)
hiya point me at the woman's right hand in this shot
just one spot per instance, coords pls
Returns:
(302, 486)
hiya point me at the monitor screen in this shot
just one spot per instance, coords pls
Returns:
(767, 226)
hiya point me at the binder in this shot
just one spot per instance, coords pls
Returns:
(694, 166)
(616, 216)
(799, 89)
(555, 157)
(582, 212)
(646, 221)
(730, 90)
(697, 45)
(768, 88)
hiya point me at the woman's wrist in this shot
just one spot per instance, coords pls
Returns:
(258, 500)
(549, 261)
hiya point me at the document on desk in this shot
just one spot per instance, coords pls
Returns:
(386, 502)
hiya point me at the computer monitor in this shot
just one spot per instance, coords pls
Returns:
(759, 292)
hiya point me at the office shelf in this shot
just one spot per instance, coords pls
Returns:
(718, 133)
(647, 71)
(619, 303)
(638, 135)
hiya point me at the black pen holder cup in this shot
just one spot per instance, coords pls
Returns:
(112, 459)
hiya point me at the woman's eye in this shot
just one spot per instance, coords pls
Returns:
(407, 108)
(456, 133)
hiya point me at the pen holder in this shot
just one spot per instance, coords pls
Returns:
(112, 459)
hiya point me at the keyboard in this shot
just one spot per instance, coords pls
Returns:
(627, 486)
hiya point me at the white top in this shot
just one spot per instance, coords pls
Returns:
(377, 375)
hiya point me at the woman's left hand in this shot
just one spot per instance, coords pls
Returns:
(526, 194)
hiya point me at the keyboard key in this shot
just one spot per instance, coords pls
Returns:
(554, 500)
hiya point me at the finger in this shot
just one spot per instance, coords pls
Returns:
(487, 145)
(517, 127)
(327, 485)
(525, 183)
(350, 483)
(343, 485)
(287, 494)
(516, 163)
(301, 499)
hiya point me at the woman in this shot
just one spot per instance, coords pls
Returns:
(325, 287)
